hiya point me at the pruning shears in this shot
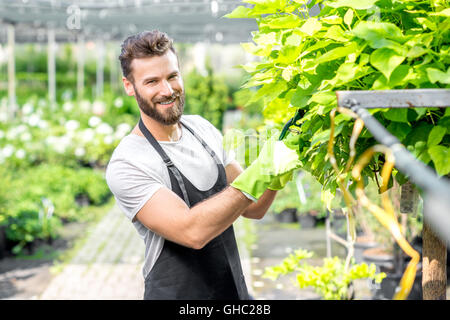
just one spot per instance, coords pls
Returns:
(292, 122)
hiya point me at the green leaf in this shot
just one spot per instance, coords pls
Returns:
(241, 12)
(300, 98)
(416, 52)
(400, 75)
(348, 17)
(293, 40)
(397, 115)
(334, 19)
(289, 54)
(316, 46)
(436, 75)
(336, 33)
(385, 60)
(325, 135)
(399, 129)
(324, 97)
(284, 22)
(355, 4)
(311, 26)
(443, 13)
(263, 51)
(270, 91)
(440, 156)
(381, 35)
(436, 135)
(266, 38)
(337, 53)
(287, 74)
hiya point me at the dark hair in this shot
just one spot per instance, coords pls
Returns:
(143, 45)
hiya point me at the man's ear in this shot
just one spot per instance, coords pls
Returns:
(129, 88)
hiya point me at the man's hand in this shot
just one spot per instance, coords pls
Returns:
(273, 167)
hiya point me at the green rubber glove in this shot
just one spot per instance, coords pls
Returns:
(274, 161)
(280, 182)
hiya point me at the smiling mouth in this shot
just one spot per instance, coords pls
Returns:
(167, 102)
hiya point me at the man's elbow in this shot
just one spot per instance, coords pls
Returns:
(254, 214)
(195, 241)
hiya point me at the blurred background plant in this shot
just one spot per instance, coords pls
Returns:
(332, 280)
(59, 152)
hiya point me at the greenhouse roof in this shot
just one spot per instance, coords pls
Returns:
(186, 21)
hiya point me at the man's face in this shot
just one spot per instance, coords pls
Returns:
(158, 87)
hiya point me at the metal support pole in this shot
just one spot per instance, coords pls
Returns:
(12, 103)
(80, 66)
(51, 69)
(100, 68)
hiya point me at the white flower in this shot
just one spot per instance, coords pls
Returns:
(8, 150)
(98, 108)
(27, 108)
(79, 152)
(67, 106)
(26, 136)
(124, 127)
(42, 124)
(121, 130)
(94, 121)
(42, 103)
(33, 120)
(72, 125)
(3, 117)
(85, 106)
(61, 144)
(87, 135)
(20, 153)
(21, 128)
(118, 102)
(104, 128)
(108, 139)
(12, 133)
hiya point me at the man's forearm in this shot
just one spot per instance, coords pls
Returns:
(216, 214)
(258, 209)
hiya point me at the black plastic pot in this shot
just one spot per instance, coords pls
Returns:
(386, 289)
(339, 224)
(287, 216)
(384, 261)
(307, 221)
(360, 247)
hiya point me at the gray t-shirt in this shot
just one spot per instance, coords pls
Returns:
(136, 171)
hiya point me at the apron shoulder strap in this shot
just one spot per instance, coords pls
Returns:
(204, 144)
(170, 166)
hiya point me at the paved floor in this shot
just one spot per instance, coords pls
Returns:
(107, 267)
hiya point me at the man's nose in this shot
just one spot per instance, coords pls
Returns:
(166, 89)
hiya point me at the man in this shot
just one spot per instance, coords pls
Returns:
(171, 177)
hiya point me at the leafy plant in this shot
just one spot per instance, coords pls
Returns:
(350, 45)
(207, 96)
(331, 280)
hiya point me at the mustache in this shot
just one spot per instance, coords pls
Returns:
(167, 98)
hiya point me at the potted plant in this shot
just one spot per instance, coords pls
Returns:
(332, 281)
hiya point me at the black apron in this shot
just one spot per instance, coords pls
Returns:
(181, 273)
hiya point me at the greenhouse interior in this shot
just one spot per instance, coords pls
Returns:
(325, 130)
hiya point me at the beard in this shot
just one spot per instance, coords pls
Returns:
(170, 115)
